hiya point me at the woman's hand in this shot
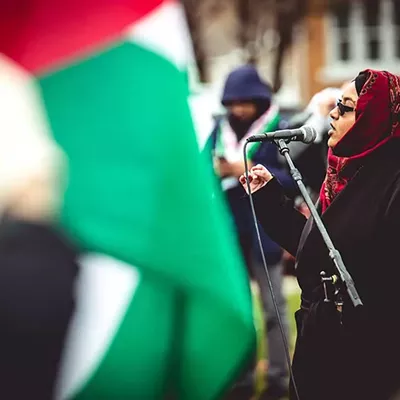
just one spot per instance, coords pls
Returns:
(259, 176)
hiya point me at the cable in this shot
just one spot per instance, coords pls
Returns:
(285, 342)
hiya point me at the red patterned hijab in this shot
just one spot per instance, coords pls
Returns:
(377, 121)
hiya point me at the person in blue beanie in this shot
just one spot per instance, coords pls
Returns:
(251, 110)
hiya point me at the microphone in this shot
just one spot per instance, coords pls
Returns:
(306, 134)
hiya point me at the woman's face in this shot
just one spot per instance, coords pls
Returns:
(343, 115)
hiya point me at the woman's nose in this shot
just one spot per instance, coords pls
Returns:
(334, 114)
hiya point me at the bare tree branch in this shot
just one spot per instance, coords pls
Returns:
(254, 19)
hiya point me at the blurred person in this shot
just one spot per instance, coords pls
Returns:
(311, 159)
(342, 351)
(37, 263)
(317, 112)
(320, 107)
(251, 110)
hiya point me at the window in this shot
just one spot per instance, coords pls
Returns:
(342, 22)
(372, 20)
(362, 34)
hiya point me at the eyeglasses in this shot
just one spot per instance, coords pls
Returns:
(342, 108)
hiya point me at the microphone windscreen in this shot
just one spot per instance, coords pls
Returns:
(310, 134)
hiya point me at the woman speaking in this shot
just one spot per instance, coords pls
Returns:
(344, 352)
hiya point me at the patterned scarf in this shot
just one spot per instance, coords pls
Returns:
(231, 148)
(377, 121)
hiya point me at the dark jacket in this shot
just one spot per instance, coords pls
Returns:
(245, 84)
(360, 353)
(267, 155)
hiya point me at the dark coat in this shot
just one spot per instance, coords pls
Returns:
(38, 269)
(245, 84)
(357, 358)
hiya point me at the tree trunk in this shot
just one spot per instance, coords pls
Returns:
(288, 14)
(193, 16)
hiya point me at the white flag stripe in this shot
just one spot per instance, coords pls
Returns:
(104, 290)
(164, 31)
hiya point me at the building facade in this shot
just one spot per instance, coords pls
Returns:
(349, 38)
(330, 46)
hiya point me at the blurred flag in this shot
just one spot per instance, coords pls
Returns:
(163, 303)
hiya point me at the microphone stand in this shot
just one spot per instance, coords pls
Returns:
(333, 252)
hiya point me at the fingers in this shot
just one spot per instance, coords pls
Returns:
(242, 179)
(255, 173)
(258, 167)
(258, 175)
(260, 171)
